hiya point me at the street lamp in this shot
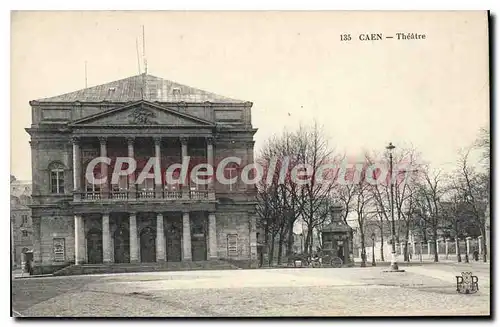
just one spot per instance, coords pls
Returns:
(394, 264)
(373, 250)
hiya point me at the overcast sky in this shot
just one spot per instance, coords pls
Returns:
(432, 93)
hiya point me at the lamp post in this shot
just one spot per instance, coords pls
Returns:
(373, 250)
(394, 264)
(466, 248)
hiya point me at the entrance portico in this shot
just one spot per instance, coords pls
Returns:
(130, 237)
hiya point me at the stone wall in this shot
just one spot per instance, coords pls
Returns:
(237, 219)
(56, 227)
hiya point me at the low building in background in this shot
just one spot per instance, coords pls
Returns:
(20, 221)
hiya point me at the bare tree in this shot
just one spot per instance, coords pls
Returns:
(473, 187)
(317, 189)
(429, 193)
(363, 198)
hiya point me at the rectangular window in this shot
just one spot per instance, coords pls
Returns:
(59, 249)
(57, 181)
(230, 173)
(122, 185)
(25, 219)
(92, 186)
(232, 245)
(148, 184)
(25, 233)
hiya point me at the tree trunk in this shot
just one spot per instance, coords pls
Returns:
(290, 244)
(280, 248)
(363, 250)
(306, 242)
(435, 236)
(483, 245)
(270, 257)
(457, 245)
(311, 243)
(406, 256)
(382, 246)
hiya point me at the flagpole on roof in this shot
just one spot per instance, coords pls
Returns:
(144, 50)
(144, 79)
(138, 57)
(85, 73)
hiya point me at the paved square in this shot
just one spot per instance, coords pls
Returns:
(427, 289)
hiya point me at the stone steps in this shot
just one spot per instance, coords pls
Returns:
(88, 269)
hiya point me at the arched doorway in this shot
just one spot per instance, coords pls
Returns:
(122, 244)
(173, 234)
(94, 246)
(148, 245)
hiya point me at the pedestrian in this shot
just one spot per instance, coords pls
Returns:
(27, 267)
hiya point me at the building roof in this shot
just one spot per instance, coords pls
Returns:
(20, 187)
(131, 89)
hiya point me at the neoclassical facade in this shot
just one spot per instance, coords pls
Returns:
(129, 218)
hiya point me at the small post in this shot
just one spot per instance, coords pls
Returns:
(373, 250)
(467, 248)
(479, 244)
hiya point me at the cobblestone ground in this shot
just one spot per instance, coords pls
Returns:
(420, 290)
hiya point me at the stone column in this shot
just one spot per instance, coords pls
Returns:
(186, 236)
(134, 242)
(467, 245)
(184, 153)
(68, 168)
(131, 177)
(479, 244)
(158, 187)
(210, 162)
(446, 248)
(250, 160)
(106, 239)
(413, 248)
(104, 168)
(401, 248)
(429, 248)
(212, 236)
(252, 228)
(79, 240)
(77, 179)
(160, 239)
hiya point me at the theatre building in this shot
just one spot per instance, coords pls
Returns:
(129, 219)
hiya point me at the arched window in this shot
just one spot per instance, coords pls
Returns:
(56, 178)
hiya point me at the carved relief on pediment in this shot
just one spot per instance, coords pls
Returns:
(142, 116)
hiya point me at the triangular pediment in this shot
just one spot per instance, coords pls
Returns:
(142, 113)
